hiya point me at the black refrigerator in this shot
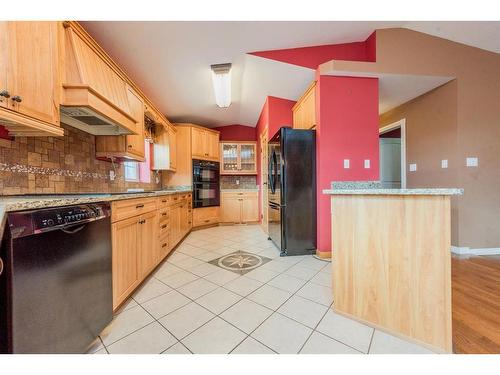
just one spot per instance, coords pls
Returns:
(292, 191)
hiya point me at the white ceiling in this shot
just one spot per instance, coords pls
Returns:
(171, 60)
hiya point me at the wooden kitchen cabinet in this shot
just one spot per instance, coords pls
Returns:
(125, 147)
(29, 78)
(144, 231)
(304, 111)
(125, 243)
(205, 216)
(239, 207)
(238, 158)
(148, 243)
(165, 149)
(204, 143)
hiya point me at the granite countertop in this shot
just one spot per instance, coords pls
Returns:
(30, 202)
(375, 188)
(442, 191)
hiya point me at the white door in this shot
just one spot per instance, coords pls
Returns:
(390, 162)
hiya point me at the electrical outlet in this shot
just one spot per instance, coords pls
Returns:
(472, 162)
(346, 164)
(112, 175)
(237, 181)
(444, 163)
(367, 163)
(413, 167)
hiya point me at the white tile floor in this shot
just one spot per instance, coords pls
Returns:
(284, 306)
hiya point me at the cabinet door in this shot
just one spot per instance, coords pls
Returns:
(172, 142)
(3, 61)
(298, 117)
(309, 110)
(230, 209)
(125, 239)
(229, 158)
(250, 209)
(32, 70)
(213, 145)
(184, 220)
(175, 225)
(135, 143)
(198, 143)
(148, 238)
(248, 158)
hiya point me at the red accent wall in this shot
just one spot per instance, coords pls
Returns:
(237, 133)
(276, 113)
(311, 57)
(347, 128)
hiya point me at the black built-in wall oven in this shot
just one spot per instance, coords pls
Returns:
(205, 183)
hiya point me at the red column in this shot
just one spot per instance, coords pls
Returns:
(347, 128)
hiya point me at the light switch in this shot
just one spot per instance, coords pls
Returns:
(413, 167)
(346, 163)
(367, 163)
(444, 163)
(472, 162)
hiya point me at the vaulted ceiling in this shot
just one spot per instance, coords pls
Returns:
(171, 60)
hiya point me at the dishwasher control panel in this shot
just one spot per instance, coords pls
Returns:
(26, 222)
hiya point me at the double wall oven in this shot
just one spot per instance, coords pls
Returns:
(205, 183)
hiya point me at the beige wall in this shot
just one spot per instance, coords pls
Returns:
(477, 133)
(431, 136)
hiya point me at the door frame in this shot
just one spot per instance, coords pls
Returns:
(263, 184)
(395, 125)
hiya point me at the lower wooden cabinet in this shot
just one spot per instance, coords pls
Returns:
(205, 216)
(241, 207)
(144, 231)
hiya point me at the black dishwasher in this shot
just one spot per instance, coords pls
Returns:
(55, 282)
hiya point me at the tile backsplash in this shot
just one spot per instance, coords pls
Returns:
(245, 182)
(59, 165)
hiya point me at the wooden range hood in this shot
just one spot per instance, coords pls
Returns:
(95, 98)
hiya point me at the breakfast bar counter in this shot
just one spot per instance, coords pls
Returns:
(391, 260)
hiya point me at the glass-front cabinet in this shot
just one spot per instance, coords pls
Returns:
(238, 158)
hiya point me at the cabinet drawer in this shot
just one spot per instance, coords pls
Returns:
(131, 207)
(205, 216)
(163, 230)
(163, 215)
(163, 201)
(246, 194)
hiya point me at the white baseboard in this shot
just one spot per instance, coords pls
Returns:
(481, 251)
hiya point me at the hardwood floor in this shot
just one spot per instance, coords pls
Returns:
(476, 304)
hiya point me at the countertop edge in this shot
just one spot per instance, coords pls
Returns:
(436, 191)
(20, 204)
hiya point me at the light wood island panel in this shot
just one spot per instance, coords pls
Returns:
(392, 264)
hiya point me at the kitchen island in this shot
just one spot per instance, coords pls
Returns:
(391, 260)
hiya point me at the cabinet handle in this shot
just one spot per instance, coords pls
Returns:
(164, 245)
(164, 201)
(163, 226)
(129, 146)
(142, 221)
(17, 98)
(139, 206)
(5, 94)
(206, 221)
(1, 266)
(164, 214)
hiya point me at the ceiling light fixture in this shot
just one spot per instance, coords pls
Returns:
(221, 77)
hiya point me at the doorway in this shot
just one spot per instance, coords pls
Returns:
(392, 148)
(263, 180)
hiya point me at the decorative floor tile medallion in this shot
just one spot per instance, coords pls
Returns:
(240, 262)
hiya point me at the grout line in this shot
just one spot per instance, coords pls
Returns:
(371, 340)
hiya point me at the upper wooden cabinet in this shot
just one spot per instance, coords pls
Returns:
(238, 158)
(165, 149)
(130, 147)
(304, 111)
(204, 144)
(29, 78)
